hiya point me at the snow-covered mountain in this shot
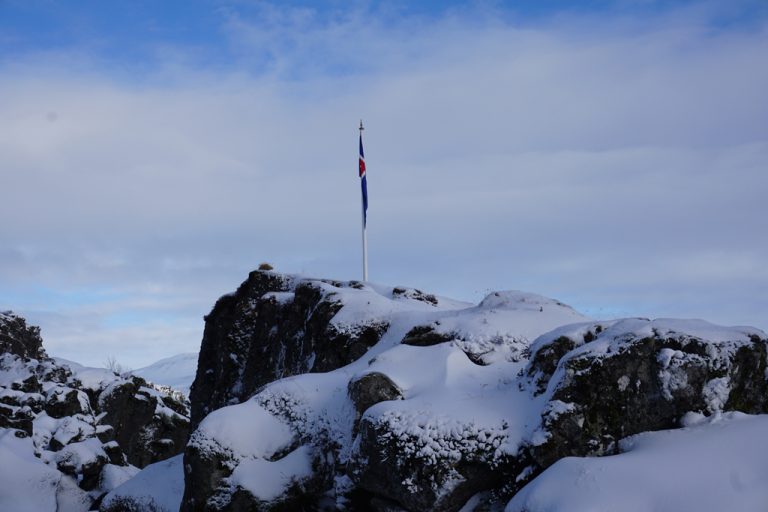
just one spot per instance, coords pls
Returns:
(177, 372)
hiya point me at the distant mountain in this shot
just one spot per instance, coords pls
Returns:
(176, 371)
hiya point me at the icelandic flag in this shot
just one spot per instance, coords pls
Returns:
(363, 183)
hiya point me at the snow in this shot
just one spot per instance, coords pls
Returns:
(160, 485)
(610, 337)
(69, 428)
(90, 378)
(615, 332)
(279, 297)
(505, 322)
(12, 370)
(113, 476)
(716, 393)
(76, 455)
(177, 372)
(233, 429)
(267, 480)
(28, 484)
(719, 464)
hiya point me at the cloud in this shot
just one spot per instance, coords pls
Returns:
(612, 163)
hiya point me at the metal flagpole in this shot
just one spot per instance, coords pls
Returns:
(362, 203)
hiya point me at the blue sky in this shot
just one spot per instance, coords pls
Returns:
(134, 36)
(608, 154)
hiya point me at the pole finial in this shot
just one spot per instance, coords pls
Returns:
(361, 125)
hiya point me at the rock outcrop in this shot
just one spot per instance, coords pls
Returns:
(19, 339)
(390, 399)
(89, 428)
(273, 326)
(606, 381)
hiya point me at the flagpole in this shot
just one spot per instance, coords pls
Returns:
(365, 234)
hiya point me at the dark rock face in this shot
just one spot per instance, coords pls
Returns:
(641, 384)
(272, 327)
(391, 465)
(204, 472)
(146, 437)
(18, 339)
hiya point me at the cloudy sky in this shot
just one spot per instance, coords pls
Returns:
(612, 155)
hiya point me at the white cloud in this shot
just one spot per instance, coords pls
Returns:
(614, 164)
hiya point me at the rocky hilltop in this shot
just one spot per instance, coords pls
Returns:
(316, 394)
(70, 434)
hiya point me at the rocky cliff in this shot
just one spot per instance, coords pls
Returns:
(77, 432)
(273, 326)
(315, 394)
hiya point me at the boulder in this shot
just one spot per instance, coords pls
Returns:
(145, 428)
(607, 381)
(64, 401)
(371, 389)
(439, 471)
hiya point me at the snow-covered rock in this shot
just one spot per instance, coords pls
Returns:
(69, 434)
(442, 402)
(619, 378)
(157, 488)
(452, 397)
(278, 325)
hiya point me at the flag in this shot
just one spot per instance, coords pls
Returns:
(363, 182)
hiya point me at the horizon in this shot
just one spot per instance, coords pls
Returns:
(609, 155)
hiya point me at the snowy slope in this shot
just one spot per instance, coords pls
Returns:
(177, 372)
(158, 487)
(719, 464)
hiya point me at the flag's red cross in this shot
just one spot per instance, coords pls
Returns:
(362, 167)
